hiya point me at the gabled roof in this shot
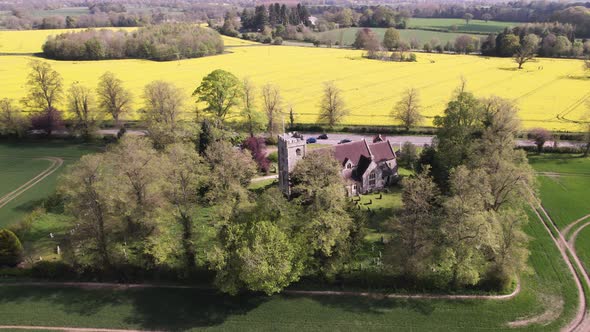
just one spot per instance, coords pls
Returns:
(351, 151)
(382, 151)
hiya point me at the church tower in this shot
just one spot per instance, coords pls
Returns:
(291, 149)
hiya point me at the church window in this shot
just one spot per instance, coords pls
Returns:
(372, 179)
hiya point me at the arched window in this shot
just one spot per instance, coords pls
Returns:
(349, 165)
(298, 152)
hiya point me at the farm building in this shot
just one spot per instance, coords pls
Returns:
(366, 167)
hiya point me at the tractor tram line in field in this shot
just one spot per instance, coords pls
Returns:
(56, 163)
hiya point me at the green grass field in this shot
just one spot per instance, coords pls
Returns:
(181, 309)
(564, 187)
(422, 36)
(448, 24)
(19, 162)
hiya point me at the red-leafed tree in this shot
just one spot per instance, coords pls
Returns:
(257, 146)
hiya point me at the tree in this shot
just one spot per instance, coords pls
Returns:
(363, 36)
(163, 105)
(487, 17)
(45, 87)
(257, 255)
(272, 105)
(540, 136)
(11, 250)
(253, 119)
(467, 17)
(586, 65)
(186, 175)
(257, 147)
(408, 156)
(319, 189)
(231, 172)
(81, 104)
(12, 121)
(113, 98)
(332, 106)
(527, 49)
(221, 91)
(416, 225)
(45, 90)
(391, 39)
(407, 110)
(86, 192)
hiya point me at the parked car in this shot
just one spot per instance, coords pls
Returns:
(311, 140)
(346, 140)
(323, 136)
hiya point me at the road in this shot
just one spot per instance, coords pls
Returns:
(334, 138)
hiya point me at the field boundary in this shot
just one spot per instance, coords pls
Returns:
(56, 163)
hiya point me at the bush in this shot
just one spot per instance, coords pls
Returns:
(53, 270)
(273, 157)
(11, 250)
(278, 41)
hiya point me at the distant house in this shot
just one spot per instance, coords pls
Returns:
(366, 167)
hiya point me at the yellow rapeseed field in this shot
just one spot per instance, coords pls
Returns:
(549, 92)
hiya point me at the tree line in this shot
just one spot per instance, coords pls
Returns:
(159, 42)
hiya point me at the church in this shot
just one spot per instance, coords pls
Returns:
(366, 166)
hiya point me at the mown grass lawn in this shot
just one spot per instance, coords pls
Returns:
(14, 172)
(449, 24)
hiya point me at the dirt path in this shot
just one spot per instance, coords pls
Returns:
(56, 163)
(573, 224)
(262, 178)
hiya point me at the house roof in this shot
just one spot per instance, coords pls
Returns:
(382, 151)
(351, 151)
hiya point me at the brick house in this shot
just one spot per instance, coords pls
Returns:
(366, 167)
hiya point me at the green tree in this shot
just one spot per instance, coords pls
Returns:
(332, 106)
(407, 110)
(417, 225)
(221, 91)
(186, 175)
(11, 250)
(13, 122)
(408, 156)
(467, 17)
(391, 39)
(231, 172)
(87, 195)
(527, 49)
(256, 255)
(113, 98)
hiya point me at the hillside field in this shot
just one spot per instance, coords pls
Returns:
(547, 90)
(449, 24)
(422, 36)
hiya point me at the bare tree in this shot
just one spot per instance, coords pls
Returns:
(271, 99)
(527, 49)
(486, 17)
(164, 102)
(12, 120)
(45, 91)
(45, 86)
(540, 136)
(82, 105)
(407, 110)
(332, 106)
(253, 119)
(467, 17)
(113, 98)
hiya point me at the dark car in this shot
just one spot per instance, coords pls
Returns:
(346, 140)
(311, 140)
(323, 136)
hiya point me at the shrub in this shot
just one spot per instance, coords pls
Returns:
(53, 270)
(278, 41)
(273, 157)
(11, 250)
